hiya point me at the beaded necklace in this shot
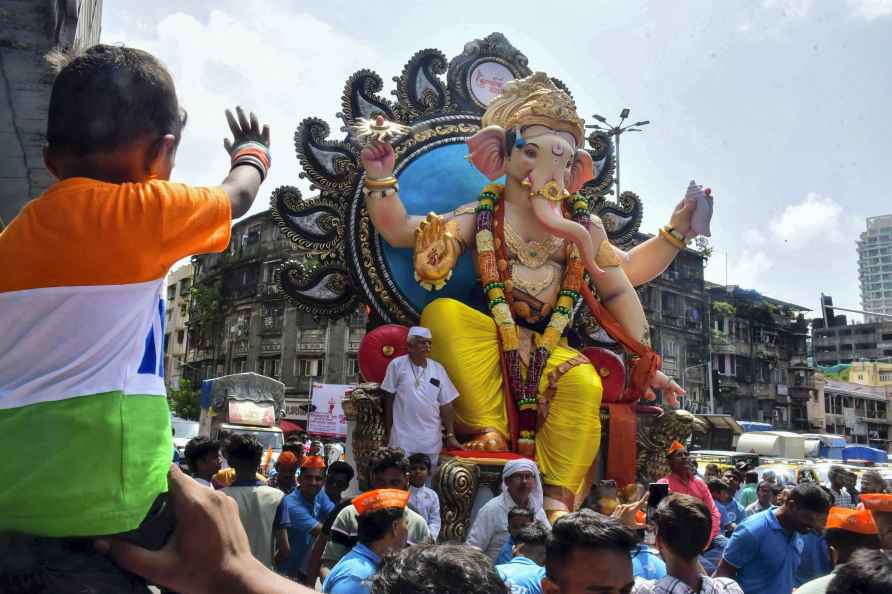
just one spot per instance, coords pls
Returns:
(494, 274)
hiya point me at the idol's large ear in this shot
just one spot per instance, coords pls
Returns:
(581, 171)
(487, 151)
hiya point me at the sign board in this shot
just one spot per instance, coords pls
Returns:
(296, 408)
(326, 417)
(487, 79)
(246, 412)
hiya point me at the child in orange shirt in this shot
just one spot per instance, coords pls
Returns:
(82, 301)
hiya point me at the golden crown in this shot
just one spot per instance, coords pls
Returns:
(535, 100)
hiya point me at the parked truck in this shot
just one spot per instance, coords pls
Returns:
(246, 403)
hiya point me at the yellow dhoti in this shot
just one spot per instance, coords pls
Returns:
(466, 343)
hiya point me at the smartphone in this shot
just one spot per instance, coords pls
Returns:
(656, 493)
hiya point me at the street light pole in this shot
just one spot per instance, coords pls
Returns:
(617, 131)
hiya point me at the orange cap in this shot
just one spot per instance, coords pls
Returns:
(881, 502)
(286, 462)
(675, 447)
(381, 499)
(850, 520)
(313, 462)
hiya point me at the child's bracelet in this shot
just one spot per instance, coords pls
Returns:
(252, 153)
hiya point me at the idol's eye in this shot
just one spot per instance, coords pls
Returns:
(530, 152)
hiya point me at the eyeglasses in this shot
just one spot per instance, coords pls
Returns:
(522, 477)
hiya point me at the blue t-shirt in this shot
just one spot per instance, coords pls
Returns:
(303, 516)
(522, 576)
(731, 513)
(353, 573)
(815, 561)
(507, 552)
(647, 564)
(766, 557)
(326, 500)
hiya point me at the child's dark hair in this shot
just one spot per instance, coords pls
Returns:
(420, 459)
(109, 96)
(684, 524)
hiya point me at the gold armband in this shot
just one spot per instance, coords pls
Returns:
(673, 237)
(380, 184)
(378, 188)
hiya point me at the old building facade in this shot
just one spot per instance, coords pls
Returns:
(179, 285)
(759, 358)
(240, 321)
(852, 342)
(859, 412)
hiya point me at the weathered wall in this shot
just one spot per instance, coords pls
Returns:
(28, 30)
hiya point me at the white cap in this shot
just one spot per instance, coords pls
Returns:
(419, 331)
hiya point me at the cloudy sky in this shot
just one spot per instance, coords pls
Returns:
(781, 106)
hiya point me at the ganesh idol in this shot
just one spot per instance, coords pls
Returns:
(535, 245)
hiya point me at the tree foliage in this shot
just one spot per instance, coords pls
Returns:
(723, 308)
(206, 311)
(185, 401)
(703, 247)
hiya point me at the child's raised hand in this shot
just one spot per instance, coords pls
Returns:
(245, 129)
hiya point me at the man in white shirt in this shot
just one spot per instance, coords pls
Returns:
(419, 400)
(422, 498)
(521, 487)
(202, 454)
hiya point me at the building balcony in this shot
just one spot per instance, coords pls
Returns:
(200, 355)
(241, 292)
(728, 383)
(238, 347)
(311, 347)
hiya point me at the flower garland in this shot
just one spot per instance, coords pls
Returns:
(493, 273)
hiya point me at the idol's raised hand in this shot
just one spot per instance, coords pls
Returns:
(378, 160)
(693, 214)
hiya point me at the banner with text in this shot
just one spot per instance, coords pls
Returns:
(326, 417)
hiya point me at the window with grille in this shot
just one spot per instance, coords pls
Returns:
(352, 367)
(310, 367)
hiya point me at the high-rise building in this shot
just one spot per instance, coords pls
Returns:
(875, 266)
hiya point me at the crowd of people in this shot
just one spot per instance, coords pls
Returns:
(701, 538)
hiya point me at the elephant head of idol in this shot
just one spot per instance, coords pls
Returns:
(532, 134)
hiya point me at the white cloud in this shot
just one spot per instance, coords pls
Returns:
(753, 237)
(284, 66)
(748, 269)
(794, 9)
(870, 9)
(815, 219)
